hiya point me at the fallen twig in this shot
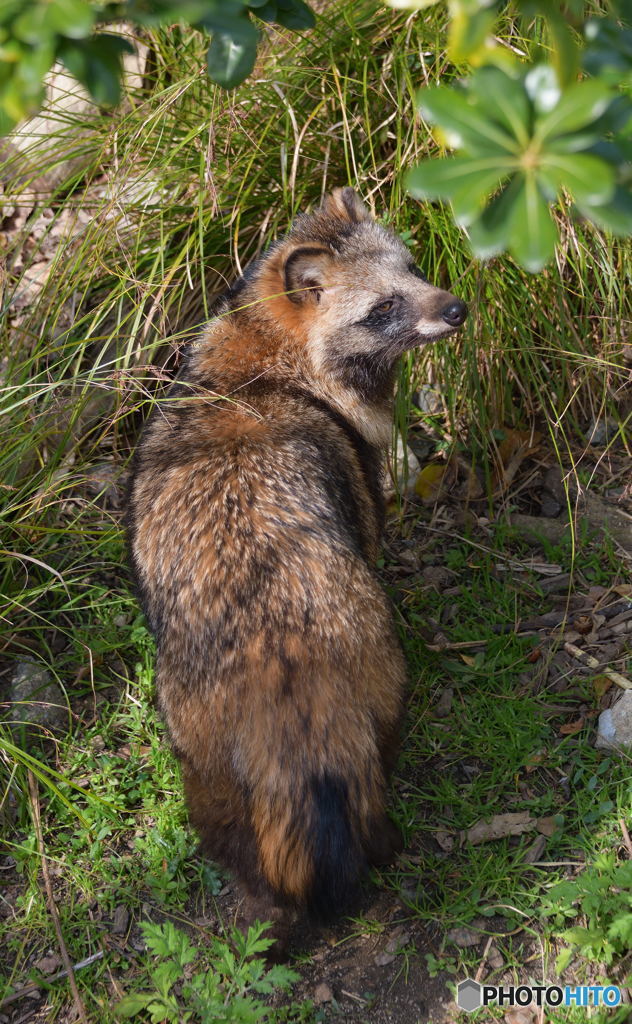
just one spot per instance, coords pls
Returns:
(50, 979)
(54, 913)
(588, 659)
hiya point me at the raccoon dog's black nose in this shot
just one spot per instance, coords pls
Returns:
(455, 313)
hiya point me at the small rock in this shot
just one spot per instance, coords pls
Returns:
(101, 483)
(583, 624)
(405, 480)
(323, 993)
(547, 826)
(521, 1015)
(120, 920)
(494, 958)
(550, 506)
(437, 576)
(384, 959)
(602, 431)
(556, 584)
(444, 839)
(535, 851)
(615, 725)
(397, 941)
(464, 937)
(48, 964)
(36, 699)
(427, 398)
(444, 705)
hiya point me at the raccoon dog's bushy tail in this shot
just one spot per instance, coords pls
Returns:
(312, 848)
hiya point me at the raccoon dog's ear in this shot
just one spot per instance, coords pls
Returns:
(345, 203)
(305, 272)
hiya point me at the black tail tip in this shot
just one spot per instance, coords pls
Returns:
(339, 862)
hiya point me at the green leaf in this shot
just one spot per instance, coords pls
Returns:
(578, 106)
(132, 1004)
(489, 234)
(268, 12)
(588, 178)
(533, 233)
(565, 49)
(297, 15)
(621, 929)
(609, 47)
(505, 99)
(614, 216)
(563, 959)
(71, 18)
(583, 937)
(465, 181)
(96, 63)
(231, 57)
(468, 32)
(32, 25)
(465, 126)
(441, 178)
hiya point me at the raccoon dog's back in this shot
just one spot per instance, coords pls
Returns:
(255, 514)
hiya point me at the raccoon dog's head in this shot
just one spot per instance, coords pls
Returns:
(353, 289)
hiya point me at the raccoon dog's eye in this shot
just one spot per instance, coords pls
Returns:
(384, 307)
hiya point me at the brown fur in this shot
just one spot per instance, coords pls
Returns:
(255, 515)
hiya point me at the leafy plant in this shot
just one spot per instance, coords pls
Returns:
(225, 990)
(526, 131)
(34, 34)
(602, 893)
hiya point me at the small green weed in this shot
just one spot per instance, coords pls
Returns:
(603, 895)
(221, 983)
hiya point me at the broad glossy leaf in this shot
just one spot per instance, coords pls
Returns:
(565, 51)
(609, 47)
(489, 235)
(268, 12)
(615, 215)
(8, 10)
(441, 178)
(505, 99)
(465, 181)
(96, 63)
(468, 32)
(586, 177)
(231, 58)
(532, 233)
(577, 106)
(464, 123)
(297, 15)
(32, 25)
(195, 12)
(71, 18)
(467, 203)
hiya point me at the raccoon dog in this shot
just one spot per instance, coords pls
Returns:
(255, 514)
